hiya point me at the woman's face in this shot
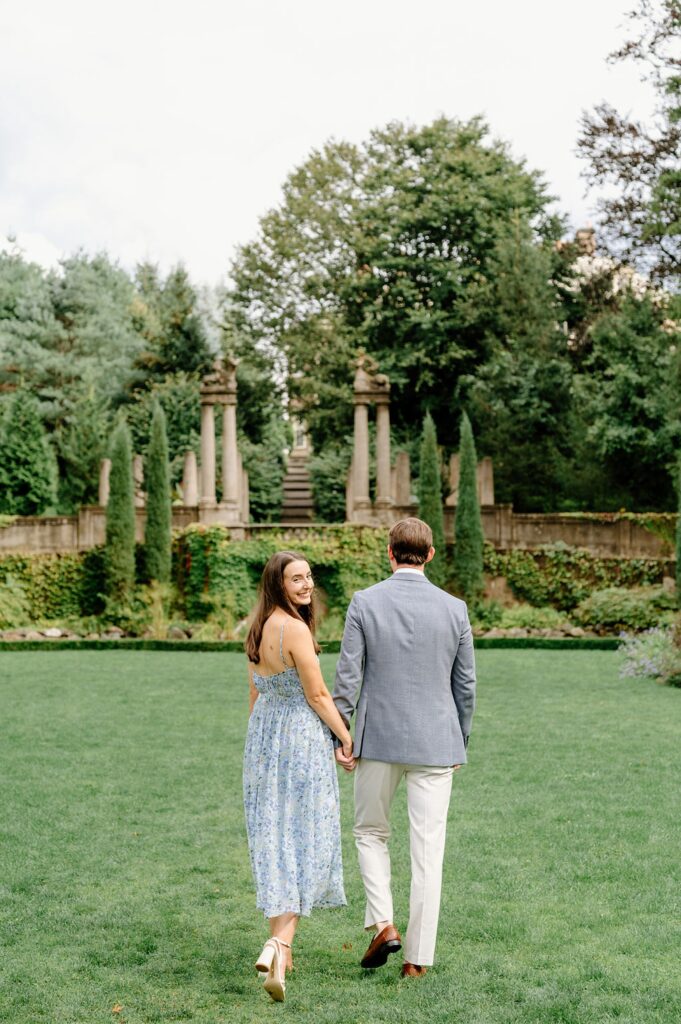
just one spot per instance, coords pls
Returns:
(298, 583)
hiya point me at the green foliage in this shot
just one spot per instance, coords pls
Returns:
(81, 439)
(468, 537)
(638, 163)
(157, 538)
(430, 499)
(14, 605)
(561, 576)
(615, 609)
(265, 465)
(343, 559)
(178, 396)
(168, 318)
(328, 476)
(52, 586)
(27, 463)
(386, 246)
(120, 520)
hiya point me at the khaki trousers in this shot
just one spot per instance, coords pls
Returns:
(428, 793)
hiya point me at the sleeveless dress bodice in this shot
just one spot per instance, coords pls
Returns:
(291, 800)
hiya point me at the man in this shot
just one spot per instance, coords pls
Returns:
(407, 666)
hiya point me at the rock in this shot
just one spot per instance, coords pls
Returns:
(669, 584)
(52, 633)
(92, 636)
(517, 632)
(113, 634)
(13, 634)
(495, 632)
(175, 633)
(576, 631)
(32, 634)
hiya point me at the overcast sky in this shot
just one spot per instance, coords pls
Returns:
(164, 130)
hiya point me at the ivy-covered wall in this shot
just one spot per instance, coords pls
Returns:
(210, 570)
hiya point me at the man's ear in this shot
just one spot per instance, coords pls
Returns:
(431, 553)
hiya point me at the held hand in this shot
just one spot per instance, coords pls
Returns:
(345, 758)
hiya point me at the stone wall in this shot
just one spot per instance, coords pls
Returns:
(506, 529)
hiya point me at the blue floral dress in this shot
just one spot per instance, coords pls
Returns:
(291, 800)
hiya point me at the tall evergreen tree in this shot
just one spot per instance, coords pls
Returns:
(120, 519)
(157, 480)
(678, 535)
(468, 536)
(27, 464)
(430, 499)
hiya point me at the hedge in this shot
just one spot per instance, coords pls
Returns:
(332, 647)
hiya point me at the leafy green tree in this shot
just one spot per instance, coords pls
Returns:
(386, 246)
(626, 402)
(120, 520)
(520, 399)
(178, 395)
(27, 463)
(157, 535)
(430, 499)
(641, 213)
(81, 440)
(468, 535)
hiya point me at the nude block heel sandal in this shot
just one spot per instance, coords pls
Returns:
(270, 963)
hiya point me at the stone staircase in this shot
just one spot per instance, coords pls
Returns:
(297, 506)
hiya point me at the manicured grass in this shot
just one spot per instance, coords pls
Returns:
(125, 885)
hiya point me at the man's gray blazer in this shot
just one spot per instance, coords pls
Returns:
(407, 666)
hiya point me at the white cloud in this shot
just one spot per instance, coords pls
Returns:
(164, 131)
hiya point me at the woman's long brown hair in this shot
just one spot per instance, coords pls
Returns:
(271, 596)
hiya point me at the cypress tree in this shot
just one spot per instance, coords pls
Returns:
(120, 519)
(430, 499)
(468, 536)
(678, 536)
(28, 471)
(157, 479)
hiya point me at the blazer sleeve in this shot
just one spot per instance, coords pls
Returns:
(463, 679)
(350, 666)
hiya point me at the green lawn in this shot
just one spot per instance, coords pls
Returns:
(125, 881)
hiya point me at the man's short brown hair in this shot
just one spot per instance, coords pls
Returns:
(411, 539)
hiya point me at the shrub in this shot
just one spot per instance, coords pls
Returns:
(468, 536)
(14, 606)
(616, 609)
(526, 616)
(653, 654)
(430, 500)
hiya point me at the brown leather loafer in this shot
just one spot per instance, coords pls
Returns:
(382, 945)
(412, 970)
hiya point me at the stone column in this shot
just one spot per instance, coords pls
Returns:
(190, 484)
(349, 493)
(486, 481)
(384, 498)
(230, 456)
(360, 457)
(207, 455)
(245, 497)
(104, 471)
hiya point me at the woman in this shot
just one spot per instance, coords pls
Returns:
(290, 784)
